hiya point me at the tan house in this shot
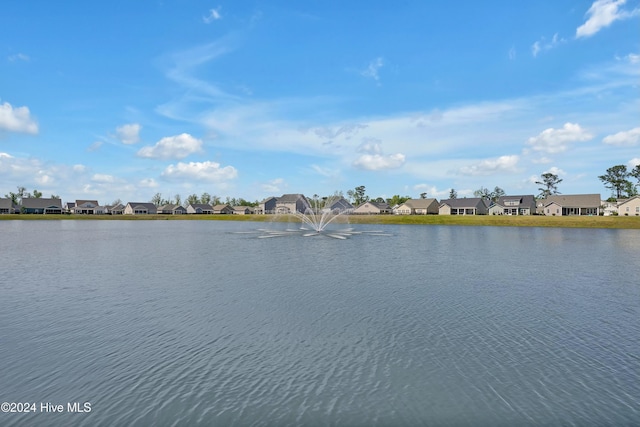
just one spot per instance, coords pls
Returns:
(629, 207)
(373, 208)
(290, 203)
(222, 209)
(140, 208)
(464, 206)
(571, 204)
(200, 209)
(242, 210)
(418, 207)
(171, 209)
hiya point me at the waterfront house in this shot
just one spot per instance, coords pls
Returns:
(114, 210)
(85, 207)
(290, 203)
(267, 206)
(200, 209)
(140, 208)
(514, 205)
(464, 206)
(571, 204)
(8, 207)
(373, 208)
(629, 207)
(242, 210)
(171, 209)
(418, 207)
(39, 205)
(609, 208)
(222, 209)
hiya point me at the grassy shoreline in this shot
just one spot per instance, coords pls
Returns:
(620, 222)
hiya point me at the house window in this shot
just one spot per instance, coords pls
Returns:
(627, 208)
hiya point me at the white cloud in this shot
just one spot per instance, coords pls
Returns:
(601, 14)
(372, 69)
(103, 178)
(634, 162)
(374, 162)
(491, 166)
(628, 138)
(148, 183)
(273, 186)
(129, 133)
(556, 140)
(17, 119)
(555, 170)
(19, 57)
(214, 15)
(542, 44)
(512, 53)
(172, 147)
(203, 171)
(370, 146)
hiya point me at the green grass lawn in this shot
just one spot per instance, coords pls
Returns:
(627, 222)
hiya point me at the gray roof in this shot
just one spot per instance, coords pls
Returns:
(7, 204)
(574, 200)
(290, 198)
(40, 203)
(201, 206)
(524, 201)
(465, 202)
(146, 205)
(419, 203)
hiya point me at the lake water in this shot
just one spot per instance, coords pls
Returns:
(191, 322)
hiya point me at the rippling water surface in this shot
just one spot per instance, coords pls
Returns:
(189, 322)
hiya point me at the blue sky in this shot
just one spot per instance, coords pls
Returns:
(122, 99)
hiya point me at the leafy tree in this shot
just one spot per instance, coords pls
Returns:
(177, 200)
(483, 193)
(205, 198)
(423, 195)
(192, 199)
(54, 196)
(379, 200)
(116, 202)
(549, 184)
(37, 194)
(157, 199)
(453, 194)
(359, 196)
(397, 200)
(616, 179)
(635, 173)
(497, 193)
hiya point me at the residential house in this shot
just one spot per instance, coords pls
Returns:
(267, 206)
(289, 203)
(338, 204)
(200, 209)
(514, 205)
(464, 206)
(373, 208)
(571, 204)
(69, 206)
(242, 210)
(8, 207)
(629, 207)
(39, 205)
(84, 207)
(171, 209)
(140, 208)
(222, 209)
(609, 208)
(418, 207)
(114, 210)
